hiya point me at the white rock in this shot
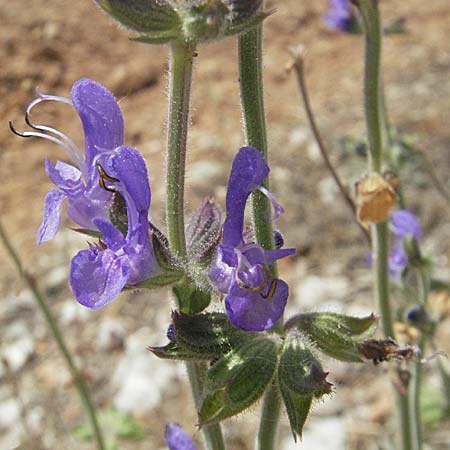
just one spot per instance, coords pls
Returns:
(9, 412)
(299, 136)
(140, 378)
(110, 334)
(17, 346)
(73, 312)
(320, 434)
(313, 290)
(327, 190)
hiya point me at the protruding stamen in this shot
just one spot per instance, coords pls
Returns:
(75, 153)
(103, 176)
(17, 133)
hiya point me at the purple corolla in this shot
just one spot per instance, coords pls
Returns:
(255, 300)
(79, 182)
(177, 439)
(107, 172)
(338, 15)
(402, 223)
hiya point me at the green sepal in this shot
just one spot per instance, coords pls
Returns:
(300, 371)
(301, 378)
(298, 408)
(161, 250)
(164, 279)
(142, 16)
(118, 212)
(336, 335)
(190, 299)
(173, 351)
(209, 335)
(238, 380)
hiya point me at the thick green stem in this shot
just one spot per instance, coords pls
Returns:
(212, 434)
(57, 335)
(380, 252)
(268, 425)
(180, 78)
(253, 117)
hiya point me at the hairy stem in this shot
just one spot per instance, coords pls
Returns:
(380, 251)
(77, 378)
(180, 78)
(253, 117)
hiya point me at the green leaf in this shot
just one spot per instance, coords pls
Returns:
(208, 335)
(175, 352)
(238, 380)
(301, 378)
(336, 335)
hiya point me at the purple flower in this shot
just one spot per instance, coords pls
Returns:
(107, 172)
(402, 223)
(98, 274)
(79, 182)
(254, 300)
(338, 15)
(176, 438)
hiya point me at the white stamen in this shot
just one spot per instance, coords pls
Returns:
(61, 139)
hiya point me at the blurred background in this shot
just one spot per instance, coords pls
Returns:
(51, 44)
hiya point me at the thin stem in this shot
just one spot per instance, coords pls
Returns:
(253, 117)
(180, 72)
(416, 388)
(57, 335)
(380, 252)
(416, 385)
(298, 66)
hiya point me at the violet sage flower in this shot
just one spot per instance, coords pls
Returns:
(338, 15)
(176, 438)
(108, 172)
(79, 182)
(402, 223)
(254, 300)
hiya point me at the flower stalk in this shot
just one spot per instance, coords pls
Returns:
(380, 252)
(253, 117)
(180, 78)
(77, 377)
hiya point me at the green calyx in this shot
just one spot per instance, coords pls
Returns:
(238, 380)
(161, 21)
(301, 379)
(210, 335)
(336, 335)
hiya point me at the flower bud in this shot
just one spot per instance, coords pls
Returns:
(159, 21)
(301, 378)
(336, 335)
(238, 380)
(203, 233)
